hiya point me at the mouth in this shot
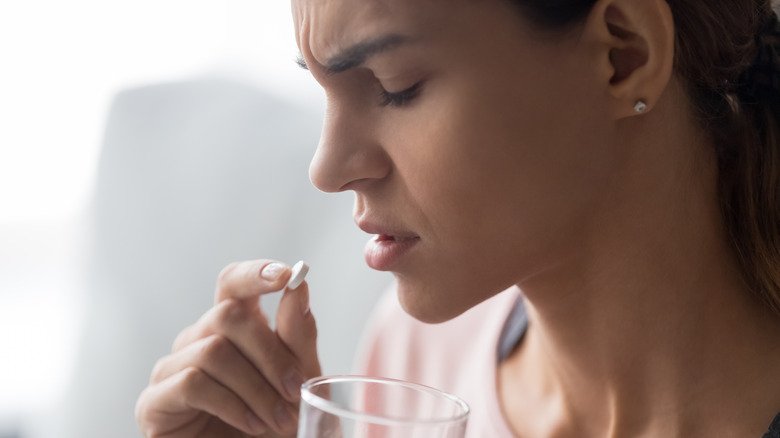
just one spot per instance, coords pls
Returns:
(384, 252)
(392, 238)
(388, 246)
(385, 232)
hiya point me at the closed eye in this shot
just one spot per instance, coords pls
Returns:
(401, 98)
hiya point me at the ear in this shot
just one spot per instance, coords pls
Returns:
(633, 51)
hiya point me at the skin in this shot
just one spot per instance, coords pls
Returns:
(520, 161)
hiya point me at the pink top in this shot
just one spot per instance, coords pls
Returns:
(458, 356)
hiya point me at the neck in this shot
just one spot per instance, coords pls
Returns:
(650, 325)
(650, 338)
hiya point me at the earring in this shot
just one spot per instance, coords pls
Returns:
(640, 106)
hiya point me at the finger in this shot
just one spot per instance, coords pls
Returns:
(193, 390)
(249, 279)
(223, 362)
(185, 337)
(296, 327)
(196, 331)
(255, 340)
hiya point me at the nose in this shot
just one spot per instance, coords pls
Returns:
(349, 154)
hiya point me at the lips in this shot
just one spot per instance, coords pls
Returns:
(391, 238)
(385, 232)
(389, 245)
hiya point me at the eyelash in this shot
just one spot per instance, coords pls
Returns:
(401, 98)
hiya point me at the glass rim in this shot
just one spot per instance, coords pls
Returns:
(332, 408)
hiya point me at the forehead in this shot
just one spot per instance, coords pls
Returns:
(322, 27)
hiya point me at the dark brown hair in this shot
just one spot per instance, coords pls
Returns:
(718, 55)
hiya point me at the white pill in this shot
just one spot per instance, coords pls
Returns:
(299, 271)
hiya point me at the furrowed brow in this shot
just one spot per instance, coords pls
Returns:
(359, 53)
(356, 55)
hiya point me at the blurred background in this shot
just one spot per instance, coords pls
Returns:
(143, 146)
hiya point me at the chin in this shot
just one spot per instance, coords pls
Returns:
(431, 304)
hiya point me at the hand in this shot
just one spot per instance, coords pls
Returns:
(229, 374)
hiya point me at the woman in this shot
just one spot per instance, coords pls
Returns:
(617, 161)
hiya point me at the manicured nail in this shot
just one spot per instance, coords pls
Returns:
(255, 423)
(272, 271)
(292, 384)
(283, 417)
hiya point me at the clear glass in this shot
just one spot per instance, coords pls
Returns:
(373, 407)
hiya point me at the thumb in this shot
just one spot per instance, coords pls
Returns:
(296, 327)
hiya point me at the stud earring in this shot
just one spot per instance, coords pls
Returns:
(640, 106)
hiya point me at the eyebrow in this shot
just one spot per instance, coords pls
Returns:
(359, 53)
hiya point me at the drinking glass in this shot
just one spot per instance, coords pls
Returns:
(373, 407)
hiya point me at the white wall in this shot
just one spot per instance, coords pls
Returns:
(62, 61)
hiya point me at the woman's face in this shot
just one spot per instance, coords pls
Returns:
(494, 152)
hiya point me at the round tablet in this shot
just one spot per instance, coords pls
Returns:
(299, 271)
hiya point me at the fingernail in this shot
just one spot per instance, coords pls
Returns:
(272, 271)
(283, 417)
(292, 384)
(255, 423)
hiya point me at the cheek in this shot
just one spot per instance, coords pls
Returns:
(503, 185)
(449, 181)
(500, 181)
(487, 168)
